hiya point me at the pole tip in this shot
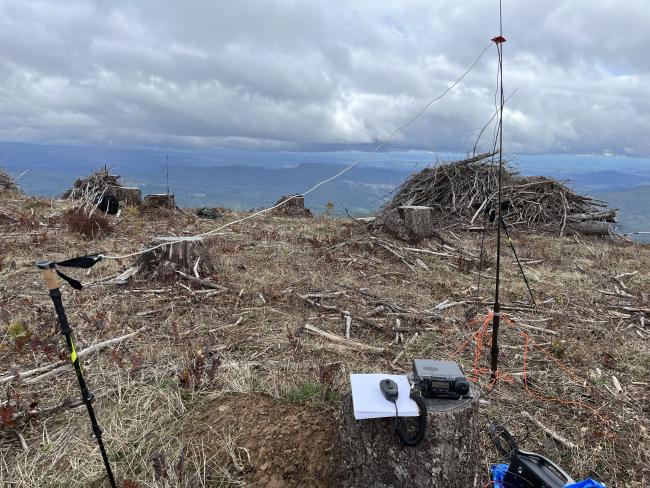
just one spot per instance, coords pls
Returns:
(45, 264)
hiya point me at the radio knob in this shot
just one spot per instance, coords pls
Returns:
(461, 387)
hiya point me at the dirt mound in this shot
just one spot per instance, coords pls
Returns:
(289, 444)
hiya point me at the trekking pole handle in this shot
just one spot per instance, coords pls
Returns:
(47, 268)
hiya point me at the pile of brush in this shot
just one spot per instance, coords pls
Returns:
(93, 187)
(7, 182)
(461, 194)
(100, 185)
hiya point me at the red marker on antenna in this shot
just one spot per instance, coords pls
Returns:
(499, 39)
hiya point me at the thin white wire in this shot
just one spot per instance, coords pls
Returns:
(317, 185)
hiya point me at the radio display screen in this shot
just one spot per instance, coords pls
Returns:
(440, 385)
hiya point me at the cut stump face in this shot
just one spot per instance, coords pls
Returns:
(408, 223)
(292, 206)
(175, 254)
(159, 200)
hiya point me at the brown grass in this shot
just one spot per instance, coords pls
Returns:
(89, 226)
(161, 392)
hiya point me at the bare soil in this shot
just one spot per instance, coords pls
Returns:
(280, 443)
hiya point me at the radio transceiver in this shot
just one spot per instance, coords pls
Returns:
(439, 378)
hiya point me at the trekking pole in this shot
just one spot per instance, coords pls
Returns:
(49, 273)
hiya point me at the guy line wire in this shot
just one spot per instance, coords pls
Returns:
(319, 184)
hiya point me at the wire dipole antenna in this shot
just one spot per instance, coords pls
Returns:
(497, 306)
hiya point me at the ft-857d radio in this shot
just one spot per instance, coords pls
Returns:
(439, 379)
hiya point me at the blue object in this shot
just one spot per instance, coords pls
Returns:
(588, 483)
(498, 472)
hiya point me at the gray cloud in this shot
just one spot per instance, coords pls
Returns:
(296, 74)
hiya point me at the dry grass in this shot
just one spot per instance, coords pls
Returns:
(160, 394)
(88, 225)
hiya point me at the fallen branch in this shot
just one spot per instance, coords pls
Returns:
(67, 404)
(66, 365)
(341, 340)
(202, 282)
(340, 311)
(21, 439)
(538, 329)
(566, 443)
(426, 251)
(401, 353)
(398, 255)
(445, 304)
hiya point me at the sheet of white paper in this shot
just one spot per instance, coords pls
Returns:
(369, 402)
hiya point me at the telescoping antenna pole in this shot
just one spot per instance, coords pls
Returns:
(497, 306)
(49, 273)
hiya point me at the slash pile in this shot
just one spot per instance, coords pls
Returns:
(94, 186)
(7, 182)
(461, 192)
(100, 184)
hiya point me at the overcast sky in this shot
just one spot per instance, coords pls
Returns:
(325, 74)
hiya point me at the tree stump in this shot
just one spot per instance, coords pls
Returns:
(408, 223)
(292, 206)
(159, 200)
(129, 196)
(185, 254)
(369, 454)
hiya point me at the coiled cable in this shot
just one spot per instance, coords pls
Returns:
(404, 436)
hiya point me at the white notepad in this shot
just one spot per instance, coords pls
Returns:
(369, 402)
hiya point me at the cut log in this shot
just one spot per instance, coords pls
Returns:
(608, 215)
(408, 223)
(369, 454)
(292, 206)
(159, 200)
(590, 228)
(129, 196)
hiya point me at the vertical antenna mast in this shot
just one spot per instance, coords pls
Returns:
(497, 306)
(167, 157)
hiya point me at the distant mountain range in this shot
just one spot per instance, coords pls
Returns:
(249, 179)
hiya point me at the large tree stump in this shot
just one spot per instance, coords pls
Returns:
(159, 200)
(408, 223)
(171, 254)
(369, 454)
(292, 206)
(129, 196)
